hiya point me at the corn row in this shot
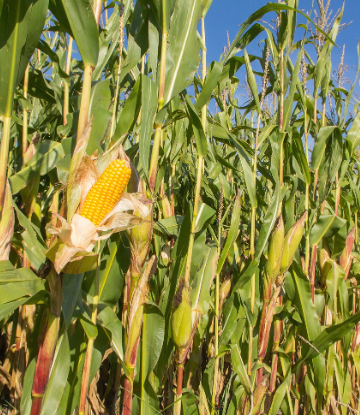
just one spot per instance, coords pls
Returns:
(107, 190)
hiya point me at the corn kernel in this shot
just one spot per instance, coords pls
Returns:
(104, 194)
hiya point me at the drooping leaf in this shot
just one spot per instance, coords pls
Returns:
(21, 23)
(149, 104)
(325, 227)
(232, 234)
(183, 55)
(45, 158)
(81, 19)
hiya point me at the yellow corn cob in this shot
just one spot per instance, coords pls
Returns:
(104, 194)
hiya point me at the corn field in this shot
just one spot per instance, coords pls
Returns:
(166, 246)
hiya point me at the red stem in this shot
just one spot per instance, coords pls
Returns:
(275, 360)
(277, 336)
(180, 376)
(128, 392)
(43, 364)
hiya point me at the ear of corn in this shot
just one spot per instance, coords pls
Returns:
(276, 246)
(103, 196)
(324, 266)
(181, 318)
(292, 242)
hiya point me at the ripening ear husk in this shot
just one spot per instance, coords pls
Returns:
(80, 235)
(291, 243)
(6, 225)
(181, 324)
(275, 252)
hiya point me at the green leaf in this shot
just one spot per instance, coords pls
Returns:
(153, 331)
(211, 81)
(45, 158)
(35, 27)
(205, 214)
(58, 376)
(299, 154)
(280, 395)
(57, 9)
(201, 293)
(320, 145)
(182, 58)
(298, 289)
(258, 15)
(333, 280)
(14, 291)
(331, 335)
(71, 295)
(8, 308)
(240, 369)
(197, 128)
(113, 268)
(26, 398)
(264, 133)
(149, 105)
(130, 112)
(83, 26)
(325, 227)
(169, 226)
(252, 81)
(232, 234)
(248, 175)
(353, 135)
(268, 223)
(288, 104)
(113, 328)
(108, 43)
(89, 328)
(21, 23)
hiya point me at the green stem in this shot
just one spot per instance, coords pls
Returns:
(67, 82)
(25, 114)
(307, 245)
(85, 101)
(121, 41)
(252, 249)
(216, 351)
(193, 224)
(204, 108)
(157, 136)
(281, 117)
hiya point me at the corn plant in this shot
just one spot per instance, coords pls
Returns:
(165, 245)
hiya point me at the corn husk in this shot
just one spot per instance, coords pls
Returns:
(181, 324)
(276, 246)
(6, 225)
(291, 243)
(80, 235)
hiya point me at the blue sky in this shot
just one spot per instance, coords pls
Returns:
(227, 15)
